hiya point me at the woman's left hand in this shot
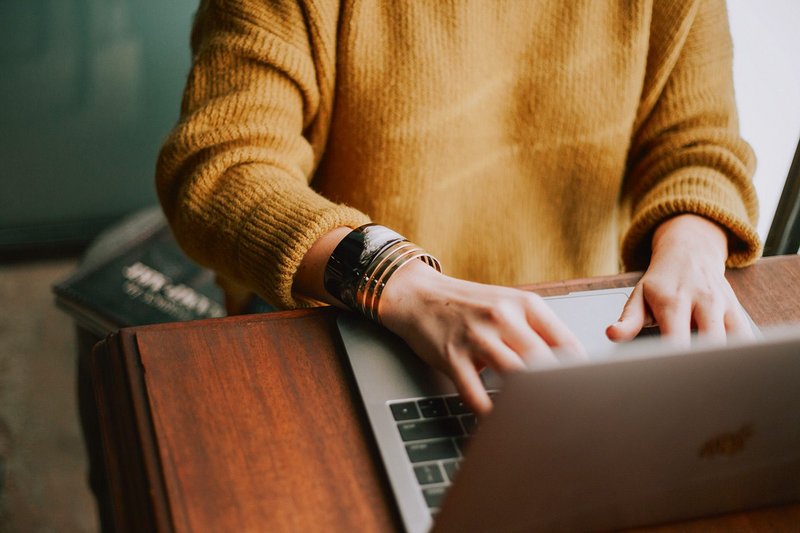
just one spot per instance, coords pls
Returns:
(684, 288)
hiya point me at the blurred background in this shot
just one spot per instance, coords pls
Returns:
(90, 88)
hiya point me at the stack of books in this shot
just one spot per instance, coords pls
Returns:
(134, 274)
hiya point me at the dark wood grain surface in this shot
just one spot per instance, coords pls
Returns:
(250, 423)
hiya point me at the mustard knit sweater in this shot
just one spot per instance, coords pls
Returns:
(517, 141)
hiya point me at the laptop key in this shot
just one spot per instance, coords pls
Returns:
(434, 496)
(436, 428)
(461, 443)
(405, 411)
(470, 423)
(450, 468)
(457, 405)
(432, 407)
(427, 474)
(435, 450)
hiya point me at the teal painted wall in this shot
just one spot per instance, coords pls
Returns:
(89, 90)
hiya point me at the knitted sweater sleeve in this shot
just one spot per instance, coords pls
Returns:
(686, 154)
(233, 176)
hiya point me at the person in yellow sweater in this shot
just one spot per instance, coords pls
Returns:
(513, 141)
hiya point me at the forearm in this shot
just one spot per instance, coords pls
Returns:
(233, 177)
(686, 153)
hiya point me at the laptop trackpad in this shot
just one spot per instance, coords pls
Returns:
(587, 314)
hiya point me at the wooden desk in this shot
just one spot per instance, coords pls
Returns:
(250, 423)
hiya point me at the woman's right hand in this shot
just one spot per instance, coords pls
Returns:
(457, 326)
(460, 327)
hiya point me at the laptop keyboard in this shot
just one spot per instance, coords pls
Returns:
(434, 432)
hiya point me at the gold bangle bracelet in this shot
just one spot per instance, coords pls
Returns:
(362, 264)
(366, 284)
(421, 254)
(382, 276)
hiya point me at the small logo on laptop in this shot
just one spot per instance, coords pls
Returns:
(728, 444)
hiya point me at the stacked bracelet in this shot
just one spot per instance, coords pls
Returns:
(363, 262)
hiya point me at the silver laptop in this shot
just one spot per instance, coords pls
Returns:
(639, 435)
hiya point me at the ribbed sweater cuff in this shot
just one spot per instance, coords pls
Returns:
(277, 240)
(701, 191)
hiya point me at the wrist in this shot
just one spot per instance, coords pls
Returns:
(690, 232)
(364, 261)
(308, 281)
(405, 291)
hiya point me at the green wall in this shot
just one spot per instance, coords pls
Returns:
(89, 90)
